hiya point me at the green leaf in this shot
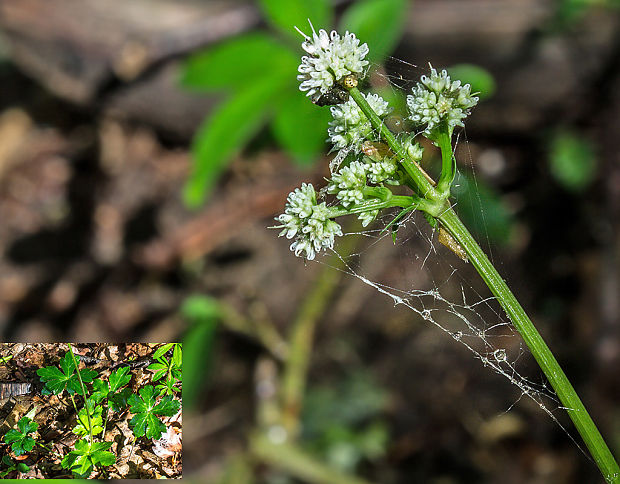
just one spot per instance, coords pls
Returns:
(118, 401)
(96, 419)
(177, 355)
(85, 456)
(572, 160)
(23, 468)
(119, 378)
(238, 63)
(159, 375)
(67, 363)
(229, 128)
(145, 422)
(20, 440)
(57, 381)
(100, 455)
(379, 23)
(167, 407)
(288, 14)
(26, 425)
(101, 390)
(301, 127)
(160, 370)
(73, 385)
(481, 80)
(161, 351)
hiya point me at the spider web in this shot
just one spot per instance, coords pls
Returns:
(440, 288)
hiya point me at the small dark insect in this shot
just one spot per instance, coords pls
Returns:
(12, 389)
(336, 95)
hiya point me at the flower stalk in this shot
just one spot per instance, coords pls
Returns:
(84, 395)
(437, 105)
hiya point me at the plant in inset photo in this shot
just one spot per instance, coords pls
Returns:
(90, 411)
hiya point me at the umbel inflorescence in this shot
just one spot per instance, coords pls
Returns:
(374, 159)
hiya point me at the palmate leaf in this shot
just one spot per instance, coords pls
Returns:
(20, 439)
(58, 381)
(145, 422)
(86, 456)
(101, 390)
(96, 419)
(119, 378)
(118, 401)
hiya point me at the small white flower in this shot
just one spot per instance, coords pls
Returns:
(330, 58)
(415, 151)
(437, 99)
(301, 200)
(367, 217)
(380, 171)
(350, 126)
(308, 221)
(348, 184)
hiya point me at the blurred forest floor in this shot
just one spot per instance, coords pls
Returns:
(97, 246)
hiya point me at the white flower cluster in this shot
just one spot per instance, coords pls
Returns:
(415, 150)
(367, 217)
(382, 171)
(350, 126)
(437, 99)
(308, 221)
(348, 184)
(330, 58)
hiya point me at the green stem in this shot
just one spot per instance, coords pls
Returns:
(77, 369)
(424, 186)
(447, 164)
(401, 201)
(298, 463)
(437, 198)
(105, 420)
(301, 340)
(74, 405)
(560, 383)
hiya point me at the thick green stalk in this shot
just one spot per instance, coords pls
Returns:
(558, 379)
(437, 198)
(447, 163)
(77, 369)
(297, 462)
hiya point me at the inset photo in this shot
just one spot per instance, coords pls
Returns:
(90, 411)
